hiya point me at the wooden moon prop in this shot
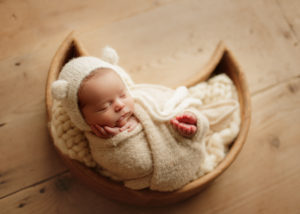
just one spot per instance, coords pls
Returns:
(221, 61)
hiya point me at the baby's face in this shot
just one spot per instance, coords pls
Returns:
(105, 100)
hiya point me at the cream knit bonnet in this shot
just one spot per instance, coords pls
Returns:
(66, 87)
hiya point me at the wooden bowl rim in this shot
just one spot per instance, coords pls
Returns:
(145, 197)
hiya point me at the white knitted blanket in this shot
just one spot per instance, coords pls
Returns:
(218, 100)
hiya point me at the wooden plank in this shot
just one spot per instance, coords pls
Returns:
(31, 31)
(28, 26)
(28, 154)
(264, 179)
(173, 42)
(291, 13)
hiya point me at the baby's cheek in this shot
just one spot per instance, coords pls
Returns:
(130, 103)
(107, 119)
(88, 117)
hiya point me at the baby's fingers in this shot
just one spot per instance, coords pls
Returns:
(96, 131)
(112, 131)
(193, 129)
(184, 129)
(188, 118)
(187, 130)
(125, 127)
(175, 123)
(103, 132)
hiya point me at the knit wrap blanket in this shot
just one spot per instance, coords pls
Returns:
(154, 155)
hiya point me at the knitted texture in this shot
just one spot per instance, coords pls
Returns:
(224, 125)
(125, 156)
(223, 130)
(176, 160)
(68, 138)
(153, 153)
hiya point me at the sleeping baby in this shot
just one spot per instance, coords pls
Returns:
(147, 136)
(108, 108)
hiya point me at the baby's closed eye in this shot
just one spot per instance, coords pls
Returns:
(102, 108)
(123, 95)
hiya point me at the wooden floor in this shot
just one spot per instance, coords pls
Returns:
(159, 41)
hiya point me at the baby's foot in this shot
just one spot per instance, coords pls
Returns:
(185, 124)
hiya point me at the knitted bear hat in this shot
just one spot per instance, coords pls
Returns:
(66, 87)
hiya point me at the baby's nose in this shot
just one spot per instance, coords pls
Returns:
(119, 105)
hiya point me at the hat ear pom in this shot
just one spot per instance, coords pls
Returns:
(59, 89)
(110, 55)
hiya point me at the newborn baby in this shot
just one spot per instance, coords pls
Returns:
(108, 108)
(147, 136)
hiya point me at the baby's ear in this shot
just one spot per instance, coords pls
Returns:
(110, 55)
(59, 89)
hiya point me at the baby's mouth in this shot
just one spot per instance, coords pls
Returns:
(122, 120)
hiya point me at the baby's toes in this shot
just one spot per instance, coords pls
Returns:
(192, 118)
(186, 119)
(179, 117)
(183, 127)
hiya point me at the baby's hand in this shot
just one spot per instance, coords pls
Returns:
(130, 125)
(105, 131)
(185, 124)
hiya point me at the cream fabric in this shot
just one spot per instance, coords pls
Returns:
(152, 150)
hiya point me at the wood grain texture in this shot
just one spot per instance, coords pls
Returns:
(291, 14)
(254, 30)
(27, 25)
(154, 40)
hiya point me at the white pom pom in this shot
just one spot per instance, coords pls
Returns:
(110, 55)
(59, 89)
